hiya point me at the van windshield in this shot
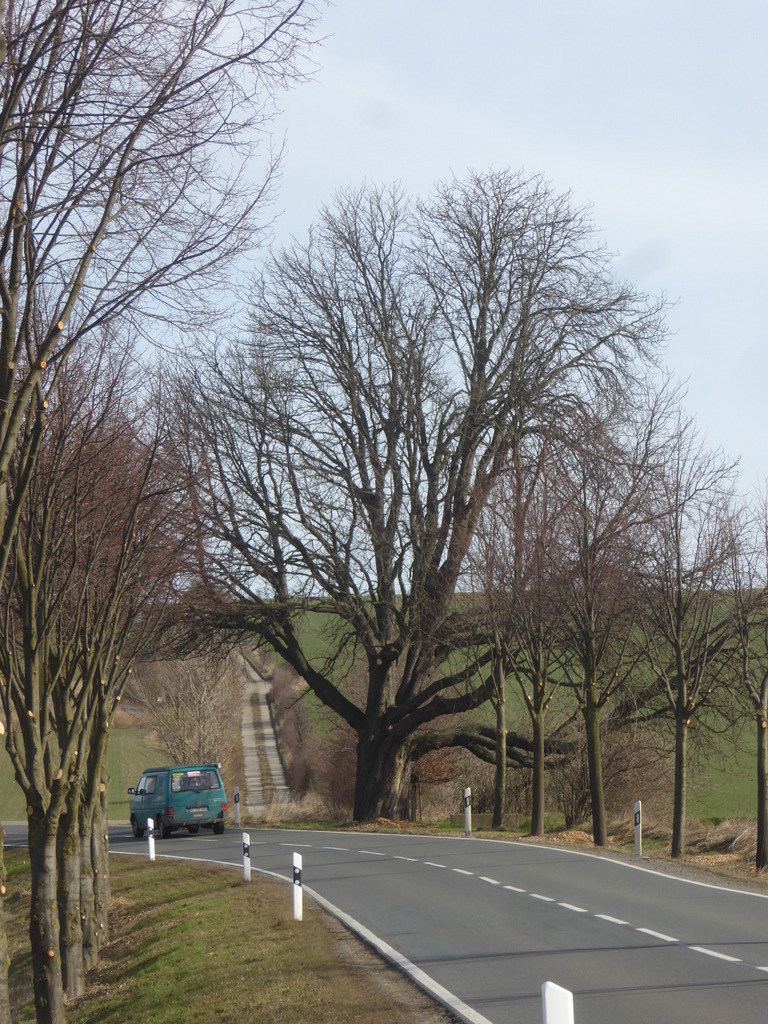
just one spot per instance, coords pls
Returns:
(194, 781)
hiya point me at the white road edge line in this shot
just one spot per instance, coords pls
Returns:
(538, 896)
(462, 871)
(714, 953)
(490, 881)
(611, 920)
(431, 864)
(336, 849)
(372, 853)
(570, 906)
(411, 860)
(514, 888)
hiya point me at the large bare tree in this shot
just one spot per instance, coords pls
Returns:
(346, 449)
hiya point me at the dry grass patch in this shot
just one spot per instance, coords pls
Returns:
(196, 943)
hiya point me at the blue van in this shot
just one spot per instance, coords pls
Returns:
(179, 796)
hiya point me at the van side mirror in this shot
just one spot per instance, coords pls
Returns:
(132, 791)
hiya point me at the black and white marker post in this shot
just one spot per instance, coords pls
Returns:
(638, 828)
(246, 857)
(467, 811)
(151, 838)
(298, 909)
(237, 807)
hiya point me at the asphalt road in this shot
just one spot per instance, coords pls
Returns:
(490, 921)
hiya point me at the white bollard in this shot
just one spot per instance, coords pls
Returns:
(638, 829)
(467, 811)
(237, 807)
(151, 838)
(557, 1004)
(246, 857)
(298, 909)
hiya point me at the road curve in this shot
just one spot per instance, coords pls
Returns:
(489, 921)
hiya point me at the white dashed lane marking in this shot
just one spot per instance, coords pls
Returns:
(579, 910)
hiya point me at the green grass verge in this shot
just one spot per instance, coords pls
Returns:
(196, 943)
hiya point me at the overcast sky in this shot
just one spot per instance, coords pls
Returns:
(655, 114)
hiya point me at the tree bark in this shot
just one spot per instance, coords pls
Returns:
(681, 784)
(100, 860)
(382, 779)
(5, 998)
(761, 855)
(500, 780)
(87, 898)
(538, 784)
(68, 890)
(44, 921)
(591, 713)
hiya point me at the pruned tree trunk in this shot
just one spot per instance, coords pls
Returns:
(100, 861)
(538, 783)
(68, 890)
(44, 921)
(761, 855)
(681, 784)
(5, 998)
(87, 897)
(591, 713)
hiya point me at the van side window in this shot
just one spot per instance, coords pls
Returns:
(141, 787)
(151, 781)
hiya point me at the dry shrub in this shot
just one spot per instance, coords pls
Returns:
(318, 749)
(635, 765)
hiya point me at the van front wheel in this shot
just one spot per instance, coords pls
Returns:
(138, 831)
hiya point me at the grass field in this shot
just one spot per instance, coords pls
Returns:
(130, 750)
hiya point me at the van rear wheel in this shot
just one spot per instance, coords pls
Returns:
(218, 827)
(163, 829)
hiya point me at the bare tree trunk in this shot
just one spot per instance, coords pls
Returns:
(87, 898)
(761, 855)
(44, 922)
(100, 860)
(5, 998)
(591, 713)
(500, 781)
(68, 890)
(681, 784)
(537, 794)
(382, 780)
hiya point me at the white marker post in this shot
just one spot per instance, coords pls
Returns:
(237, 807)
(246, 857)
(467, 811)
(638, 829)
(151, 838)
(298, 910)
(557, 1004)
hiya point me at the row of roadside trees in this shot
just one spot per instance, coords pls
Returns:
(128, 190)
